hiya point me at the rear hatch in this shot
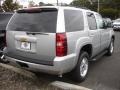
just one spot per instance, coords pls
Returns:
(31, 35)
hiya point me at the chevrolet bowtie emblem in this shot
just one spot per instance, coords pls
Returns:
(23, 39)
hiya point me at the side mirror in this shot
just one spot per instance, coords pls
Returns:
(105, 25)
(110, 25)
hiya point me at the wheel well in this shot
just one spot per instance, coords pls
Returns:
(88, 49)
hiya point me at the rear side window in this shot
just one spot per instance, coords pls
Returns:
(99, 21)
(91, 21)
(73, 20)
(34, 21)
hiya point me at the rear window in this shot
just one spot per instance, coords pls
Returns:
(34, 21)
(73, 20)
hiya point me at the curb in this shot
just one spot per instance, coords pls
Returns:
(56, 85)
(66, 86)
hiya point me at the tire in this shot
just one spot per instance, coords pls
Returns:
(111, 48)
(81, 70)
(1, 48)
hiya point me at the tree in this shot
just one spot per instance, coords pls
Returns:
(48, 4)
(110, 13)
(83, 4)
(108, 8)
(80, 3)
(41, 4)
(10, 6)
(31, 4)
(1, 6)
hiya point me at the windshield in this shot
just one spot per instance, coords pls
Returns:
(42, 21)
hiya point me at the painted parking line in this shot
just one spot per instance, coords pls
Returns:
(67, 86)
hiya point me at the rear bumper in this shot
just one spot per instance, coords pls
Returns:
(61, 65)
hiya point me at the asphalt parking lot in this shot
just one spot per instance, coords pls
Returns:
(104, 74)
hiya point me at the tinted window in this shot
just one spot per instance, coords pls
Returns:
(91, 21)
(99, 21)
(34, 21)
(73, 20)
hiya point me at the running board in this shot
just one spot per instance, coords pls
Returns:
(99, 56)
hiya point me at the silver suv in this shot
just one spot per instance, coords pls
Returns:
(57, 40)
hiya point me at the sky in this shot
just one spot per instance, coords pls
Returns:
(25, 2)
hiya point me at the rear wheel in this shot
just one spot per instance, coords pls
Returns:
(111, 48)
(81, 70)
(1, 48)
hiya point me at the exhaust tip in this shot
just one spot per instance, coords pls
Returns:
(2, 57)
(3, 60)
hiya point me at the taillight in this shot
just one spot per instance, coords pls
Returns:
(61, 44)
(5, 43)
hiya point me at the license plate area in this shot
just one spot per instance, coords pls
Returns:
(25, 45)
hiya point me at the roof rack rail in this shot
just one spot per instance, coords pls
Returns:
(83, 7)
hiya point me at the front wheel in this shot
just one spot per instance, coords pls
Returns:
(81, 70)
(111, 48)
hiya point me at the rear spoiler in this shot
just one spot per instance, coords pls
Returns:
(36, 10)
